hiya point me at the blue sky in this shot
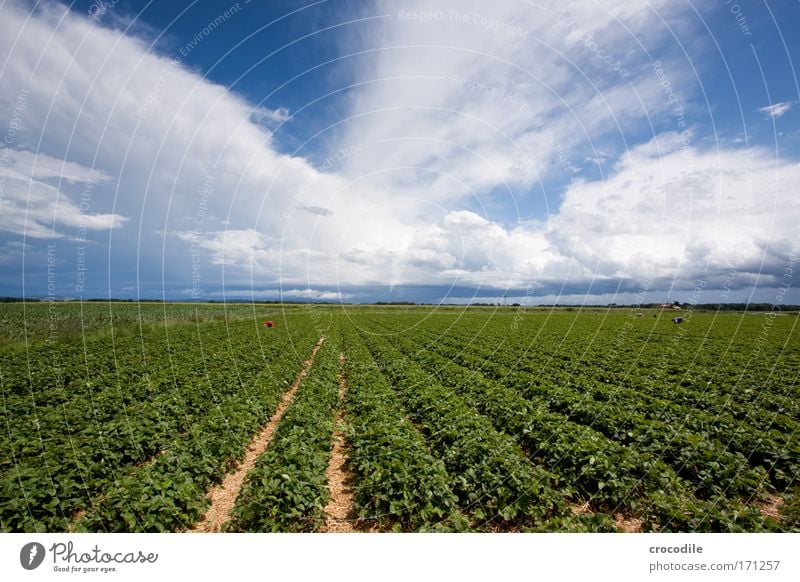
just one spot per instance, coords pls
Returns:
(571, 152)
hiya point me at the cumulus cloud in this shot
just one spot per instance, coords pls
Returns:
(457, 109)
(675, 219)
(684, 216)
(286, 294)
(24, 165)
(776, 110)
(265, 115)
(314, 294)
(235, 248)
(437, 176)
(185, 152)
(454, 106)
(32, 200)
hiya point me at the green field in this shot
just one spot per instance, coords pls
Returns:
(125, 416)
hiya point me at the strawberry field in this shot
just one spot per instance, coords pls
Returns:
(125, 417)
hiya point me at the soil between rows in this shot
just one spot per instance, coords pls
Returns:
(223, 496)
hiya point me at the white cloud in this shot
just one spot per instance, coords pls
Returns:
(23, 165)
(234, 248)
(454, 107)
(32, 206)
(286, 294)
(109, 102)
(677, 218)
(686, 215)
(265, 115)
(449, 118)
(315, 294)
(776, 110)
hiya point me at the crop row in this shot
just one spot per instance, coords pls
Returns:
(714, 451)
(98, 453)
(169, 493)
(592, 467)
(610, 475)
(399, 483)
(490, 475)
(714, 356)
(73, 320)
(677, 430)
(702, 370)
(55, 395)
(287, 489)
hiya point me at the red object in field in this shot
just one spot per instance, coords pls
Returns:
(269, 324)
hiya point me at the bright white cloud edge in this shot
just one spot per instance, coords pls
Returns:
(650, 218)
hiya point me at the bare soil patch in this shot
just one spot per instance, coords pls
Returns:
(628, 524)
(582, 509)
(771, 507)
(76, 517)
(341, 514)
(223, 496)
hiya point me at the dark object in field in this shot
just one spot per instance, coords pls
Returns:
(677, 320)
(269, 324)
